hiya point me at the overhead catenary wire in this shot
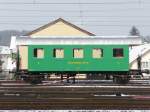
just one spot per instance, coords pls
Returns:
(70, 16)
(74, 3)
(64, 11)
(80, 11)
(77, 21)
(120, 25)
(81, 14)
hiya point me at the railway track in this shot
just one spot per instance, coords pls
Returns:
(82, 88)
(71, 98)
(75, 103)
(76, 96)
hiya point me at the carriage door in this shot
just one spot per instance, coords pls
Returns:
(23, 55)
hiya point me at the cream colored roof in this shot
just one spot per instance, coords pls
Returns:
(60, 28)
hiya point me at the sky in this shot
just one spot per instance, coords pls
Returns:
(101, 17)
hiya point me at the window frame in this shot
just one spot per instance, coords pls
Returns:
(121, 56)
(74, 53)
(55, 54)
(145, 64)
(35, 53)
(102, 53)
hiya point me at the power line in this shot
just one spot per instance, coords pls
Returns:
(30, 10)
(120, 25)
(73, 3)
(89, 21)
(81, 12)
(54, 16)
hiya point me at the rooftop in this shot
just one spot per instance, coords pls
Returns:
(82, 40)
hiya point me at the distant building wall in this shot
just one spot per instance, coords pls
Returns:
(133, 65)
(145, 62)
(4, 56)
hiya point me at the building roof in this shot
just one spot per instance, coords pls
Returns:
(137, 51)
(56, 21)
(85, 40)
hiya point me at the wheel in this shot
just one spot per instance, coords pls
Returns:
(120, 80)
(125, 80)
(33, 79)
(107, 77)
(36, 81)
(116, 80)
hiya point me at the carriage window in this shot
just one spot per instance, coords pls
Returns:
(78, 53)
(97, 53)
(39, 53)
(118, 52)
(145, 65)
(58, 53)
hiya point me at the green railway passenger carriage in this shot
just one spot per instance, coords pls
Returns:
(74, 55)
